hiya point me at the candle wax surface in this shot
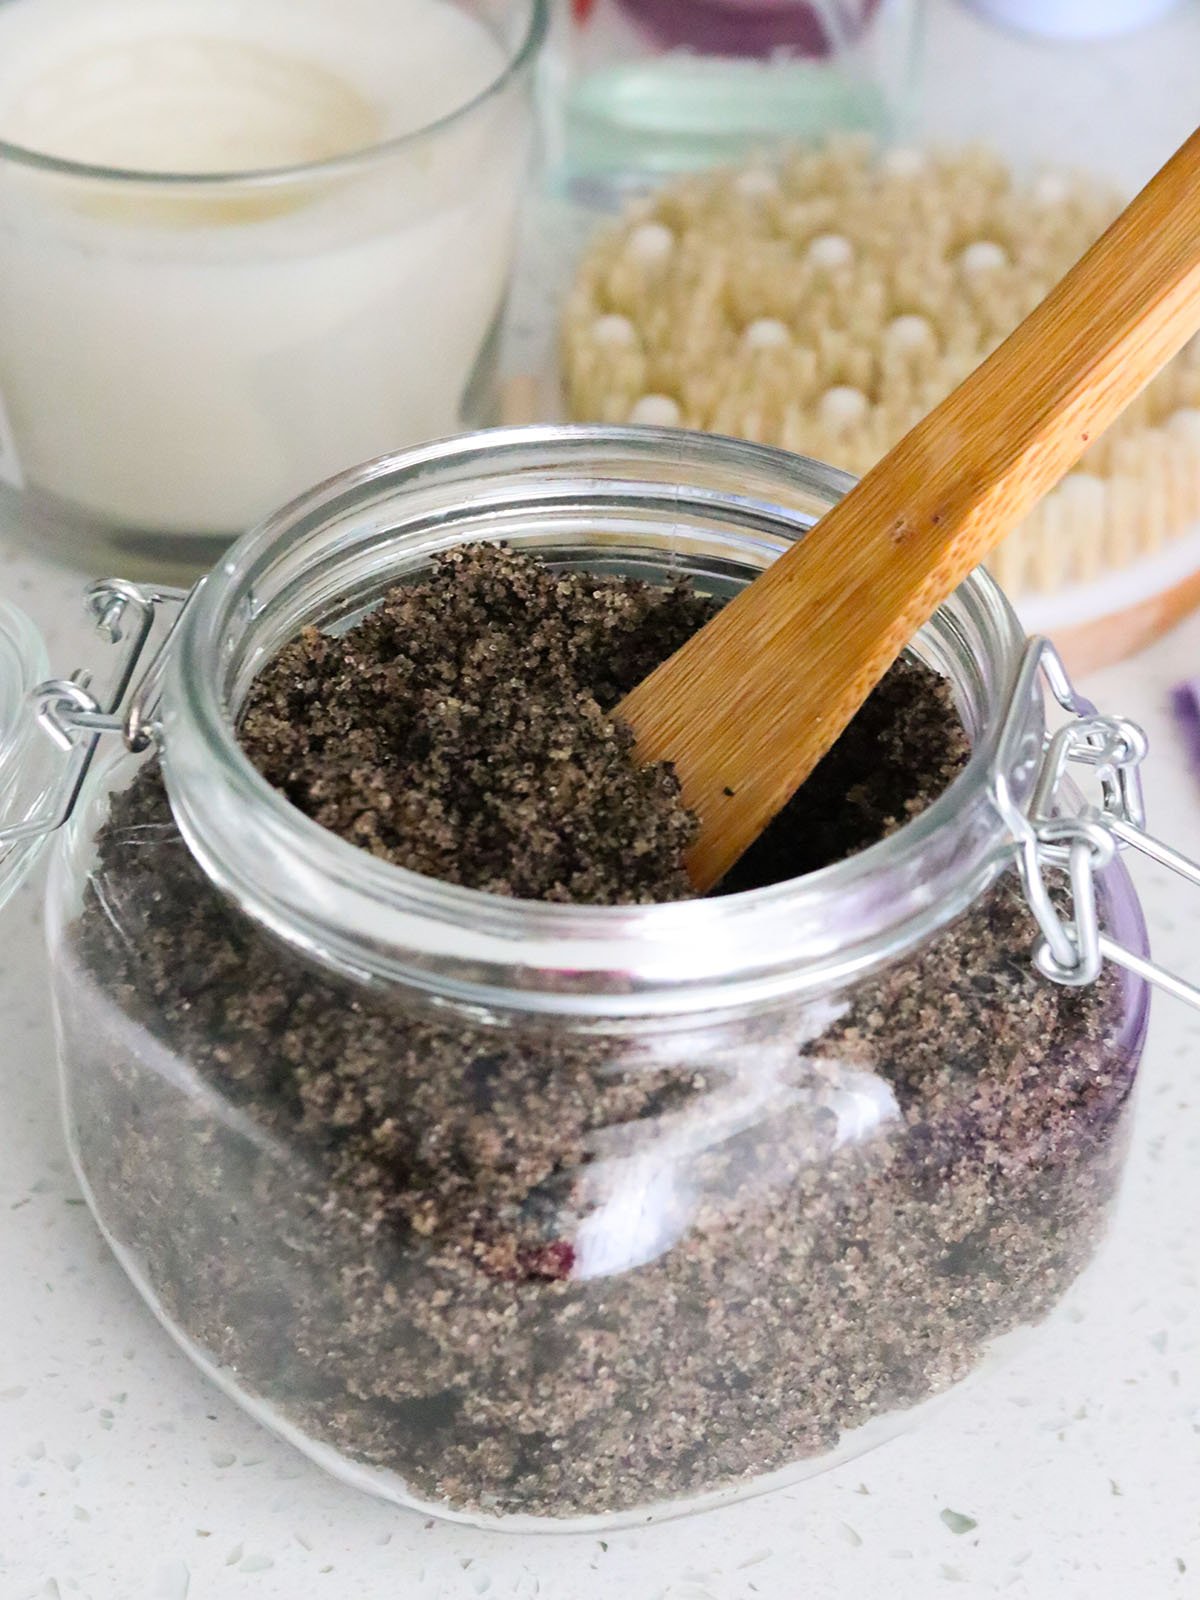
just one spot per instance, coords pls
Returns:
(209, 86)
(178, 357)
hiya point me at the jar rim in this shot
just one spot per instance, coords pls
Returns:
(516, 61)
(374, 917)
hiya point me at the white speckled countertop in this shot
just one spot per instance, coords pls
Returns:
(125, 1476)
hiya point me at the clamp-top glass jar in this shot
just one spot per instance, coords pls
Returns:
(561, 1216)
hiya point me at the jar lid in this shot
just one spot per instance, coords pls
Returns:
(27, 767)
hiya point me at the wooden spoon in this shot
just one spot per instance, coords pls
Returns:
(752, 702)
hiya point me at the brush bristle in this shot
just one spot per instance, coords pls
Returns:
(827, 303)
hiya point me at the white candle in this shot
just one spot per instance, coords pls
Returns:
(181, 358)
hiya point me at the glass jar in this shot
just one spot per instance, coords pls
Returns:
(549, 1216)
(649, 89)
(182, 352)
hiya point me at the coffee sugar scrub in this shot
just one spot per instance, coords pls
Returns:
(519, 1262)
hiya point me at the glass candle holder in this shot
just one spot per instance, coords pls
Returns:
(182, 349)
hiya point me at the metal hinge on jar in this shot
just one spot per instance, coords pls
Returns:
(1054, 833)
(76, 719)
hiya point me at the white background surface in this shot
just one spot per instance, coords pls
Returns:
(124, 1476)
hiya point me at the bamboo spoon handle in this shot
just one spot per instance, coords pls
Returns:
(752, 702)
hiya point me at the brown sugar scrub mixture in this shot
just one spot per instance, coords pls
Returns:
(538, 1270)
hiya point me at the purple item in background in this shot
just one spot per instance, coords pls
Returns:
(1185, 703)
(754, 27)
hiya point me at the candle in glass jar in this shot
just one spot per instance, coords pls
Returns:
(244, 245)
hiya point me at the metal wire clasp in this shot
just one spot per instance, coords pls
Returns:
(1054, 829)
(75, 718)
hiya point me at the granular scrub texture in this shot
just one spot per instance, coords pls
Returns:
(537, 1268)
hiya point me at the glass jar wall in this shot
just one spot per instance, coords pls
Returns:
(560, 1216)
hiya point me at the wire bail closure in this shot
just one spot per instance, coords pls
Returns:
(75, 718)
(1057, 831)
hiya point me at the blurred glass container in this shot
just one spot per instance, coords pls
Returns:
(181, 349)
(653, 88)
